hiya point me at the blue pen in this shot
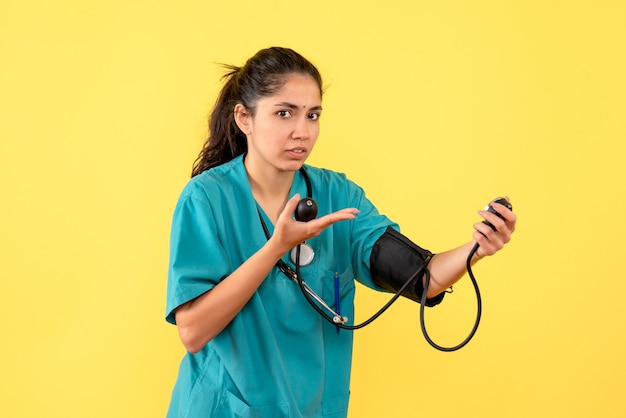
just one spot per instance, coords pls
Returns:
(337, 298)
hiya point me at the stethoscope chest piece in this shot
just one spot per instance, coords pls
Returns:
(306, 254)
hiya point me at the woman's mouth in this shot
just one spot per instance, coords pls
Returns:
(297, 152)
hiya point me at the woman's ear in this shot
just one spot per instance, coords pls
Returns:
(242, 118)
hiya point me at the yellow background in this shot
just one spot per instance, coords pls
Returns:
(434, 107)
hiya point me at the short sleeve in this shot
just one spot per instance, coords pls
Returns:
(198, 260)
(352, 241)
(368, 227)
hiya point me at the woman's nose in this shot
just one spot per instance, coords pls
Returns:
(301, 129)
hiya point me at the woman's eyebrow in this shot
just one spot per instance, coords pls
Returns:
(293, 106)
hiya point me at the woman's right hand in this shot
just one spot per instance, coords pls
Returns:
(289, 232)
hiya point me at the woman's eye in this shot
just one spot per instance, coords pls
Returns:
(314, 116)
(284, 113)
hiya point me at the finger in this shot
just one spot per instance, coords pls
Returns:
(498, 237)
(502, 210)
(508, 215)
(484, 230)
(485, 247)
(504, 226)
(340, 215)
(493, 219)
(348, 211)
(293, 201)
(316, 226)
(490, 240)
(290, 207)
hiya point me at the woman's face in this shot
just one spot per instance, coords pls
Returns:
(285, 126)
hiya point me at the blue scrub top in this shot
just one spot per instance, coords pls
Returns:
(278, 357)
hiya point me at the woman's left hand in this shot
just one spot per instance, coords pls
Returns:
(490, 240)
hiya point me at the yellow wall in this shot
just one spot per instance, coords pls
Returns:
(433, 107)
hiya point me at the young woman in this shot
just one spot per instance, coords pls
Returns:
(256, 347)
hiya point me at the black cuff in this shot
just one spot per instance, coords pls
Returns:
(394, 260)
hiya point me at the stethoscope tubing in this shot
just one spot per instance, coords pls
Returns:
(341, 324)
(478, 308)
(339, 321)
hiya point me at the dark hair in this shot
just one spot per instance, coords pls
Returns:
(262, 76)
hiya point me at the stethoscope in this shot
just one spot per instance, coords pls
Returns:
(306, 210)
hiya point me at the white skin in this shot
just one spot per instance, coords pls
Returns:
(281, 133)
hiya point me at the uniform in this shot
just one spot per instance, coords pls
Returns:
(278, 357)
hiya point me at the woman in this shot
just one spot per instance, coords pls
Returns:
(256, 348)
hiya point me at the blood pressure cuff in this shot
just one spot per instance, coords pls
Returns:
(394, 260)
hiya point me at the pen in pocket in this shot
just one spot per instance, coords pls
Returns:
(337, 297)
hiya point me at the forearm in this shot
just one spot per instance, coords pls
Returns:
(203, 318)
(448, 267)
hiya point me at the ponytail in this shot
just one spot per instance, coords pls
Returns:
(225, 141)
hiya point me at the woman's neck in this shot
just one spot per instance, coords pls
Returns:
(270, 188)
